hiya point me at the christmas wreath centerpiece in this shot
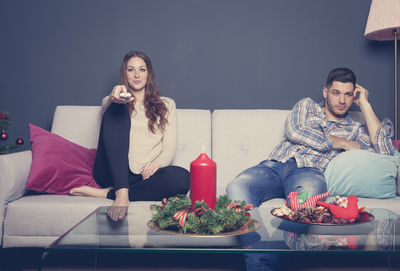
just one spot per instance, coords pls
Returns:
(179, 215)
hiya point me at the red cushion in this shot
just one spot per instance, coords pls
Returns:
(58, 165)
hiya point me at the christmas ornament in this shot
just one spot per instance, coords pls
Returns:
(3, 136)
(350, 212)
(4, 124)
(19, 142)
(299, 200)
(3, 116)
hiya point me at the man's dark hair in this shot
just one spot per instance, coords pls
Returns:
(343, 75)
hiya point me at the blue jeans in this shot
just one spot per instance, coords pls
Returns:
(271, 179)
(268, 180)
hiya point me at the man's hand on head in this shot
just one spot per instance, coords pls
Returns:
(360, 98)
(347, 145)
(360, 95)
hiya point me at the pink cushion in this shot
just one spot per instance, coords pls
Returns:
(58, 165)
(396, 144)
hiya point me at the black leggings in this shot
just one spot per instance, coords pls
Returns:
(111, 167)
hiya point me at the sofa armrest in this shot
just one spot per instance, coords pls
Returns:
(14, 172)
(14, 175)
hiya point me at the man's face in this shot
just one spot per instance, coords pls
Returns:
(338, 99)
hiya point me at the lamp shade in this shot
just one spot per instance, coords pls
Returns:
(383, 18)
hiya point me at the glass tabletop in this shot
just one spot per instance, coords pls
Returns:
(98, 232)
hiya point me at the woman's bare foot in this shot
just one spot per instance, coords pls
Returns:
(117, 213)
(119, 207)
(88, 191)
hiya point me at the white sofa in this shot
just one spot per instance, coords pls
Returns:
(235, 139)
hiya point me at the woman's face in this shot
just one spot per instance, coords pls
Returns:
(136, 73)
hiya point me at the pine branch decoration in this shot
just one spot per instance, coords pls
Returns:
(177, 214)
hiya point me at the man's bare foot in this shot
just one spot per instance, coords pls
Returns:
(88, 191)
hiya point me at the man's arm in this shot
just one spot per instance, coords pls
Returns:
(343, 144)
(380, 133)
(370, 117)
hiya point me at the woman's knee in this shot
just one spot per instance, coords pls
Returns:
(116, 109)
(179, 175)
(175, 171)
(116, 114)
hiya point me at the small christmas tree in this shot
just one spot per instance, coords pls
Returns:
(4, 123)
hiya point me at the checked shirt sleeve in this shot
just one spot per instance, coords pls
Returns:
(300, 130)
(382, 142)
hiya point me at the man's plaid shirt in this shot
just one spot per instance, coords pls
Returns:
(308, 131)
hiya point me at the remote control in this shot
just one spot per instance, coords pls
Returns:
(125, 95)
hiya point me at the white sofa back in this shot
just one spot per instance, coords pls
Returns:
(234, 139)
(243, 138)
(81, 125)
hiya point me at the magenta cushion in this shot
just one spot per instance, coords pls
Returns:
(58, 165)
(396, 144)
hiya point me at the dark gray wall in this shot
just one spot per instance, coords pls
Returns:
(212, 54)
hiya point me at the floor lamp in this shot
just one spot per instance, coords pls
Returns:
(384, 24)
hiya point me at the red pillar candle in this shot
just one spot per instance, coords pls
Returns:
(203, 176)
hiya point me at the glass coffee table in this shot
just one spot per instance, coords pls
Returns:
(97, 233)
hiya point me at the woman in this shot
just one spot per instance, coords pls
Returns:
(137, 141)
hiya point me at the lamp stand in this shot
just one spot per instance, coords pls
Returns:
(395, 33)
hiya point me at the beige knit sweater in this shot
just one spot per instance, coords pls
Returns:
(144, 146)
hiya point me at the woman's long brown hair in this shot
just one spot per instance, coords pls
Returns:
(156, 110)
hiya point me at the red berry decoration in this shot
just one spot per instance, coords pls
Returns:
(3, 116)
(19, 141)
(3, 136)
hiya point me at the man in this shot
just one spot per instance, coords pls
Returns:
(314, 134)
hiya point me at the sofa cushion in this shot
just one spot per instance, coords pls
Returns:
(38, 220)
(58, 165)
(243, 138)
(363, 174)
(79, 124)
(193, 135)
